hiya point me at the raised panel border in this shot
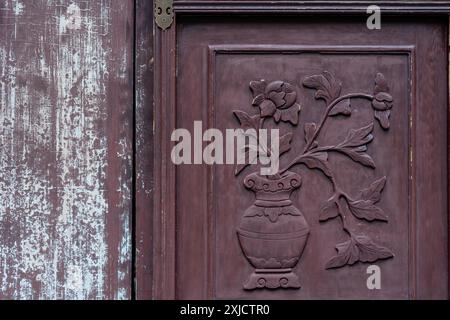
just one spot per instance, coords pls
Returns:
(407, 50)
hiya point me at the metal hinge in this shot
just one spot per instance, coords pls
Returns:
(164, 13)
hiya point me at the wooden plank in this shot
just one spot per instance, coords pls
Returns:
(164, 171)
(66, 100)
(144, 147)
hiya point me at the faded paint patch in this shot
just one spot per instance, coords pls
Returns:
(25, 185)
(81, 153)
(54, 152)
(141, 121)
(71, 20)
(18, 7)
(125, 241)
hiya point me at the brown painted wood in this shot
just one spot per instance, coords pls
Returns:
(164, 233)
(144, 148)
(206, 261)
(66, 115)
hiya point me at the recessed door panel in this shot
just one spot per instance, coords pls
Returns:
(362, 184)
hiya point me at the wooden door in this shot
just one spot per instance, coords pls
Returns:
(363, 122)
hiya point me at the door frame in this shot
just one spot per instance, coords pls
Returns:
(155, 212)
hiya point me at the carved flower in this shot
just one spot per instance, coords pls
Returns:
(382, 101)
(276, 99)
(358, 248)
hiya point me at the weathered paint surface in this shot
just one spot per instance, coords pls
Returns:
(66, 108)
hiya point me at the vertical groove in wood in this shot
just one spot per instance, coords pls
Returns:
(65, 158)
(412, 177)
(144, 147)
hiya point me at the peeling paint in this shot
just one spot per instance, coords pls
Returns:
(17, 7)
(55, 77)
(141, 123)
(81, 166)
(71, 20)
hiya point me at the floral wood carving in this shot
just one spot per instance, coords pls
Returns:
(273, 232)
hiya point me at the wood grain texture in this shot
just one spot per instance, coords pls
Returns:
(164, 171)
(66, 149)
(144, 147)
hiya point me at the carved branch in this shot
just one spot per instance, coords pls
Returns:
(328, 110)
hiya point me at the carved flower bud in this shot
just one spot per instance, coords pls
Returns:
(382, 101)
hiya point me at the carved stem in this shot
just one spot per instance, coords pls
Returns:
(328, 110)
(265, 150)
(261, 123)
(343, 217)
(338, 194)
(306, 154)
(268, 152)
(306, 151)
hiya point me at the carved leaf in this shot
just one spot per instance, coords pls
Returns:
(329, 210)
(285, 143)
(317, 160)
(360, 157)
(365, 209)
(247, 121)
(373, 192)
(257, 87)
(342, 108)
(354, 145)
(370, 251)
(358, 248)
(327, 87)
(358, 137)
(383, 118)
(310, 129)
(348, 253)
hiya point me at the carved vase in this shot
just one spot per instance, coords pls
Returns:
(272, 232)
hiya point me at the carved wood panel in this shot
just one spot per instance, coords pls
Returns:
(350, 119)
(312, 152)
(273, 232)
